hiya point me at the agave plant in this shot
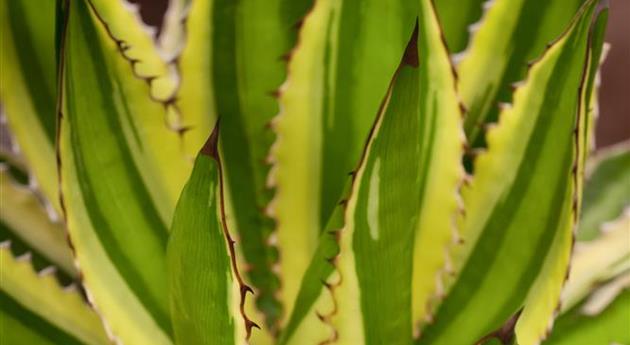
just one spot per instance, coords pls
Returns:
(309, 172)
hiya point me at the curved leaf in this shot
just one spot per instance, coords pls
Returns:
(518, 223)
(136, 42)
(34, 309)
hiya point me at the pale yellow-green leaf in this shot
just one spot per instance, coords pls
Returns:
(41, 294)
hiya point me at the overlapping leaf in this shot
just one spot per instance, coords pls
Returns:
(124, 143)
(230, 65)
(518, 225)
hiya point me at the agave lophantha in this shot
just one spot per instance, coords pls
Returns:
(309, 172)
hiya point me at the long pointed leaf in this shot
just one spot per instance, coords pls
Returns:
(229, 69)
(518, 225)
(206, 291)
(420, 122)
(545, 295)
(346, 55)
(122, 170)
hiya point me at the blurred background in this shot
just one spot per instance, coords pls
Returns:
(614, 122)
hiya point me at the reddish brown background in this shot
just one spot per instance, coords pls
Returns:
(614, 123)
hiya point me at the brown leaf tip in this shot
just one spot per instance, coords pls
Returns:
(411, 53)
(211, 147)
(505, 334)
